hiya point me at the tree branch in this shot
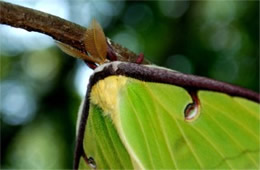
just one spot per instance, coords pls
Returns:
(56, 27)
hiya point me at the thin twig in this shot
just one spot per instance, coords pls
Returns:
(56, 27)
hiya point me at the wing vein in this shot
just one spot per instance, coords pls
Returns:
(113, 145)
(212, 145)
(98, 144)
(230, 136)
(231, 118)
(246, 108)
(143, 132)
(180, 129)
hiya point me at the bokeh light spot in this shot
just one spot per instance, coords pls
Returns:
(17, 103)
(37, 146)
(173, 9)
(219, 11)
(41, 65)
(138, 16)
(128, 38)
(224, 69)
(179, 63)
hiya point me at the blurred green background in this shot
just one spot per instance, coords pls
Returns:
(41, 87)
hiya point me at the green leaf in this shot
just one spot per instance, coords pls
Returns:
(146, 128)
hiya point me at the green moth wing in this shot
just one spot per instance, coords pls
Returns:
(134, 117)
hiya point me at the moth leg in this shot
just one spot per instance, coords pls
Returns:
(90, 64)
(111, 55)
(140, 58)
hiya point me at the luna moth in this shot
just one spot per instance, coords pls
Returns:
(148, 117)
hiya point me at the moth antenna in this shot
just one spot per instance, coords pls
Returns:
(95, 42)
(72, 51)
